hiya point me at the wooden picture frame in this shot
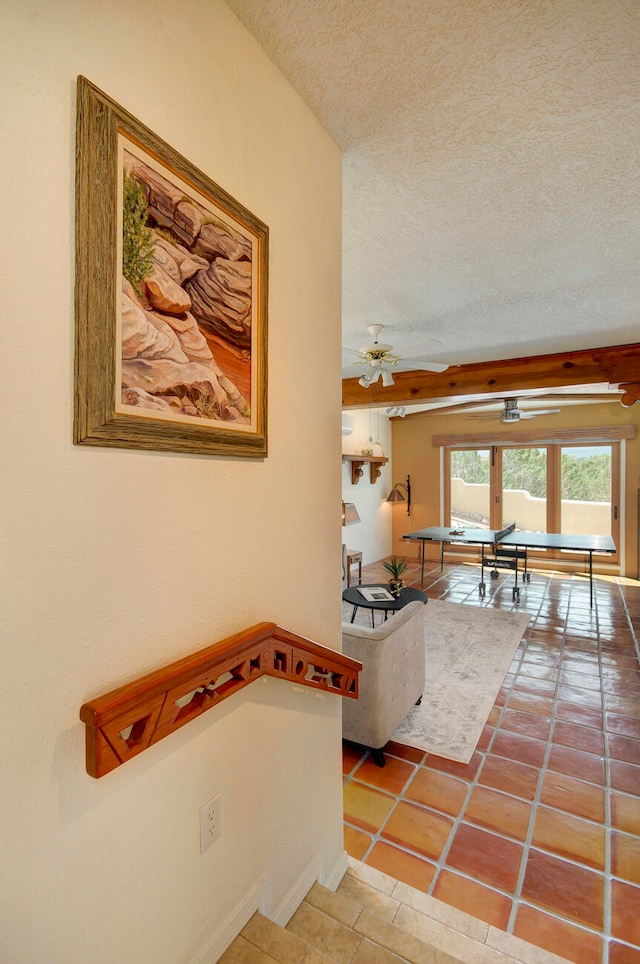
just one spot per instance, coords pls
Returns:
(170, 299)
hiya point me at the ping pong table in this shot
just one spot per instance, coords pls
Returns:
(504, 548)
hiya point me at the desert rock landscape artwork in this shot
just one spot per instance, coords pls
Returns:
(186, 308)
(171, 296)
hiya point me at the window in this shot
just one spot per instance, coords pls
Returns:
(551, 487)
(524, 489)
(469, 481)
(586, 473)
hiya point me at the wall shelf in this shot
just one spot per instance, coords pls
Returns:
(358, 463)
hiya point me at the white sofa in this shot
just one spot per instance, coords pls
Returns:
(392, 677)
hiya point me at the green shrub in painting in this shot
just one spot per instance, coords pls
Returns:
(137, 239)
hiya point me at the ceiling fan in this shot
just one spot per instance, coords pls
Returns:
(511, 412)
(378, 359)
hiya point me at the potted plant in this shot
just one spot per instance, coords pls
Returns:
(395, 567)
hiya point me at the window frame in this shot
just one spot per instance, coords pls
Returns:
(554, 448)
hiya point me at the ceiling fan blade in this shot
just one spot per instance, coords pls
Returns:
(417, 349)
(418, 365)
(460, 407)
(540, 411)
(353, 362)
(353, 370)
(551, 396)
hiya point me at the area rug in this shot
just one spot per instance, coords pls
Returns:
(468, 650)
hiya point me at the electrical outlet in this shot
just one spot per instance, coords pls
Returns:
(209, 823)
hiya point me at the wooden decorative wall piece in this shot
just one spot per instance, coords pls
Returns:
(622, 366)
(126, 721)
(358, 463)
(357, 471)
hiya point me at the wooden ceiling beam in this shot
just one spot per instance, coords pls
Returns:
(618, 365)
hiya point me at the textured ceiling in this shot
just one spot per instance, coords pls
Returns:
(491, 162)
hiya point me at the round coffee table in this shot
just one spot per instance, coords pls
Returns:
(354, 597)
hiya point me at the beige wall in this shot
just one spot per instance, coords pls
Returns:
(592, 518)
(117, 562)
(414, 452)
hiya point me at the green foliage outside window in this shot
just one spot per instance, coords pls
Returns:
(470, 466)
(137, 239)
(525, 469)
(584, 479)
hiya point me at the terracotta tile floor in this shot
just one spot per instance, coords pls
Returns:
(539, 834)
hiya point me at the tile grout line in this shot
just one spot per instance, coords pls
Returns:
(517, 893)
(577, 598)
(458, 819)
(440, 863)
(536, 802)
(606, 908)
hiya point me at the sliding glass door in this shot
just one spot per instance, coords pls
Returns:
(573, 489)
(470, 488)
(587, 475)
(524, 487)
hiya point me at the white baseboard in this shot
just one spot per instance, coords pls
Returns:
(289, 904)
(231, 927)
(332, 877)
(257, 899)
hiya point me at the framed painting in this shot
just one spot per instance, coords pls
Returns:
(171, 296)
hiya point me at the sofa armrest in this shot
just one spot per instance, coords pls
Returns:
(388, 626)
(392, 676)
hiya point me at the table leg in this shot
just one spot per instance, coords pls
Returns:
(353, 614)
(591, 580)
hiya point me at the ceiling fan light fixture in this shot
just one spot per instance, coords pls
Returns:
(366, 378)
(381, 354)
